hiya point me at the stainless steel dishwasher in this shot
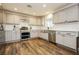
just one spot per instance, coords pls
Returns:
(52, 36)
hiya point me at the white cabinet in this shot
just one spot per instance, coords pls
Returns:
(11, 33)
(70, 41)
(11, 36)
(67, 14)
(32, 21)
(1, 16)
(34, 34)
(2, 38)
(58, 17)
(35, 21)
(59, 38)
(72, 13)
(16, 33)
(67, 39)
(8, 35)
(38, 21)
(12, 19)
(40, 34)
(17, 19)
(43, 35)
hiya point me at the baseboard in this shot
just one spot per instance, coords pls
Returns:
(66, 48)
(61, 46)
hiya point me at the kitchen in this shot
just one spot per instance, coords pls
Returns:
(59, 28)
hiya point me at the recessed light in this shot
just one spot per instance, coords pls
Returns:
(44, 5)
(15, 9)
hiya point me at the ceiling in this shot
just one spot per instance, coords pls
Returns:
(36, 9)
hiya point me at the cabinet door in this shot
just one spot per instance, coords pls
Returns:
(2, 38)
(67, 14)
(70, 40)
(67, 39)
(59, 38)
(32, 21)
(17, 19)
(33, 34)
(8, 35)
(38, 21)
(35, 21)
(18, 35)
(4, 17)
(17, 32)
(10, 18)
(72, 13)
(44, 35)
(13, 36)
(58, 17)
(1, 16)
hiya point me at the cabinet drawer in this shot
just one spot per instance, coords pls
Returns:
(67, 39)
(67, 33)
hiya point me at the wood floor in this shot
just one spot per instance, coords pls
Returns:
(32, 47)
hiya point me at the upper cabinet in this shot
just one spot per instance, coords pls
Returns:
(38, 21)
(67, 14)
(59, 17)
(72, 13)
(32, 21)
(35, 21)
(1, 16)
(17, 19)
(12, 18)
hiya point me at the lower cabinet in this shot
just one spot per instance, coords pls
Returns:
(70, 41)
(33, 34)
(44, 35)
(12, 36)
(67, 39)
(8, 35)
(39, 34)
(2, 38)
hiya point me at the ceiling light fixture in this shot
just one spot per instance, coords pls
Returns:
(15, 9)
(44, 5)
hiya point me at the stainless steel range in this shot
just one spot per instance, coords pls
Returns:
(25, 33)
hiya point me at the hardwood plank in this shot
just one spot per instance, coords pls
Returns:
(32, 47)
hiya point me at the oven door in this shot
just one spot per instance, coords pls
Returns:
(25, 35)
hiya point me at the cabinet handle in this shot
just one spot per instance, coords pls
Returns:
(14, 27)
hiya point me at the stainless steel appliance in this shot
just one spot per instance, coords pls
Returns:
(25, 33)
(52, 36)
